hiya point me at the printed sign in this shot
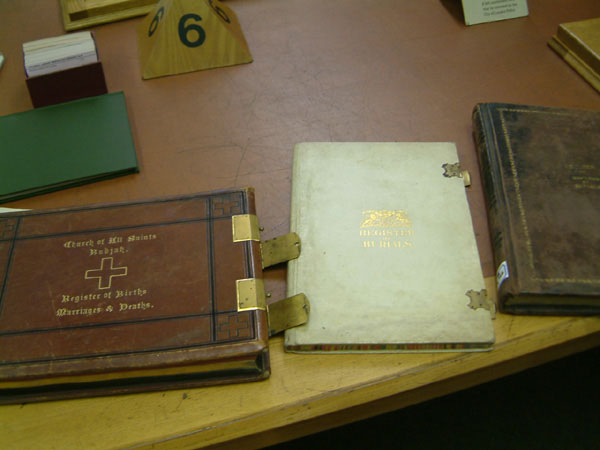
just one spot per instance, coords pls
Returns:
(480, 11)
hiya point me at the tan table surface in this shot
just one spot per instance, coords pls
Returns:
(339, 70)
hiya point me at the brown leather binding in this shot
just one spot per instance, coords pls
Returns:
(540, 174)
(128, 296)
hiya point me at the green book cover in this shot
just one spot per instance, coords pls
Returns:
(65, 145)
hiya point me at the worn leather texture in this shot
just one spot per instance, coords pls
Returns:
(103, 290)
(542, 183)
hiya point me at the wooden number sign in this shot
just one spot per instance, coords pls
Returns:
(186, 35)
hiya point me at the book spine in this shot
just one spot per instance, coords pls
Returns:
(578, 48)
(486, 142)
(256, 263)
(295, 217)
(575, 62)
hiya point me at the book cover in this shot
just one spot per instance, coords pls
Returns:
(578, 43)
(541, 178)
(128, 297)
(389, 259)
(65, 145)
(67, 85)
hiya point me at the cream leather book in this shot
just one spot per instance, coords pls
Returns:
(389, 259)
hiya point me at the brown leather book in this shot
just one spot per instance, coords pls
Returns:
(541, 176)
(128, 297)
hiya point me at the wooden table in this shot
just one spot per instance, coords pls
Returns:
(339, 70)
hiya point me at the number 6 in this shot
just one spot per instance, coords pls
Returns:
(219, 11)
(154, 24)
(185, 29)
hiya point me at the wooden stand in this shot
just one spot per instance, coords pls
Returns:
(79, 14)
(188, 35)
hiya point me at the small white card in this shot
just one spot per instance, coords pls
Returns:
(8, 210)
(480, 11)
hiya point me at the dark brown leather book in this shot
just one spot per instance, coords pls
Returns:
(541, 177)
(129, 297)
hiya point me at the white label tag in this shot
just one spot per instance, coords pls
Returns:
(481, 11)
(502, 274)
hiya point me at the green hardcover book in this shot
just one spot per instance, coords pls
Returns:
(65, 145)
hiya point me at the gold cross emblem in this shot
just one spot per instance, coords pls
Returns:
(105, 273)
